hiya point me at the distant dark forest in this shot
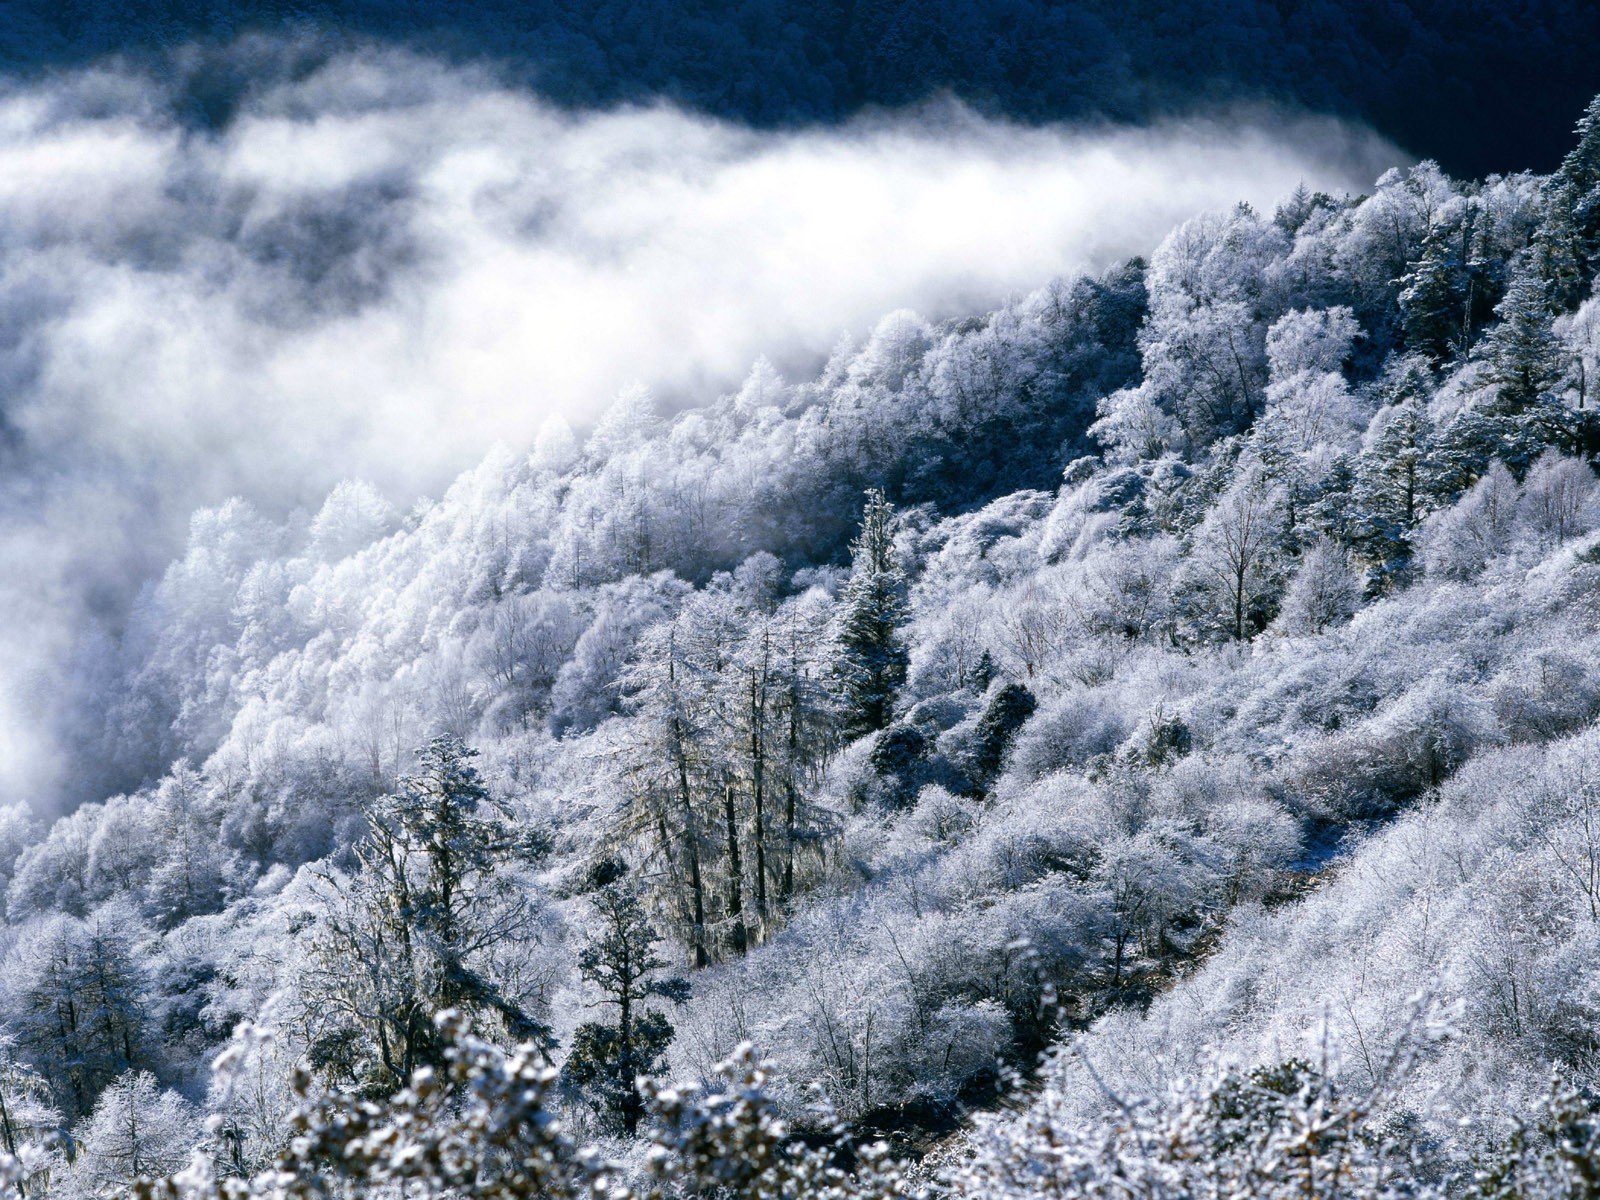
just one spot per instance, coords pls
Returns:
(1481, 85)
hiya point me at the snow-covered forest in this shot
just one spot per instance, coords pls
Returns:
(1139, 740)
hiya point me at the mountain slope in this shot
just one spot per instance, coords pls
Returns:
(898, 786)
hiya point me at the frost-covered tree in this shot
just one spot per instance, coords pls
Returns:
(191, 876)
(1325, 591)
(1522, 354)
(138, 1130)
(353, 517)
(1237, 559)
(1461, 540)
(805, 731)
(1444, 289)
(1575, 194)
(1580, 332)
(79, 1001)
(1397, 474)
(607, 1058)
(1558, 500)
(663, 768)
(626, 425)
(871, 660)
(419, 926)
(27, 1115)
(890, 876)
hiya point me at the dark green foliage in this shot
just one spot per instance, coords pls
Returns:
(1165, 740)
(1580, 168)
(604, 1066)
(1464, 448)
(607, 1058)
(871, 662)
(443, 820)
(1435, 307)
(1522, 353)
(1006, 712)
(983, 674)
(1328, 508)
(1400, 477)
(336, 1054)
(80, 1009)
(1573, 197)
(1559, 253)
(603, 872)
(899, 760)
(1411, 468)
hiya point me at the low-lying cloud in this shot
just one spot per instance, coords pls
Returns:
(382, 268)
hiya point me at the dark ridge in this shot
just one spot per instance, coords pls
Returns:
(1480, 85)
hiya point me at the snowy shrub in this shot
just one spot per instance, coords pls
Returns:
(1069, 731)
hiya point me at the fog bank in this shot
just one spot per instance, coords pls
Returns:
(382, 269)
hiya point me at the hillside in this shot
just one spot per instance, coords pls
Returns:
(1196, 659)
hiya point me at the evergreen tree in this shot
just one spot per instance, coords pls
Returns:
(871, 660)
(1435, 305)
(1430, 298)
(1329, 507)
(190, 879)
(80, 1001)
(806, 733)
(1524, 362)
(1522, 352)
(1558, 248)
(1581, 166)
(899, 760)
(608, 1058)
(1464, 447)
(1575, 189)
(1006, 712)
(1299, 208)
(1395, 478)
(417, 929)
(984, 673)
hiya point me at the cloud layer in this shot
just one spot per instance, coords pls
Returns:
(383, 268)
